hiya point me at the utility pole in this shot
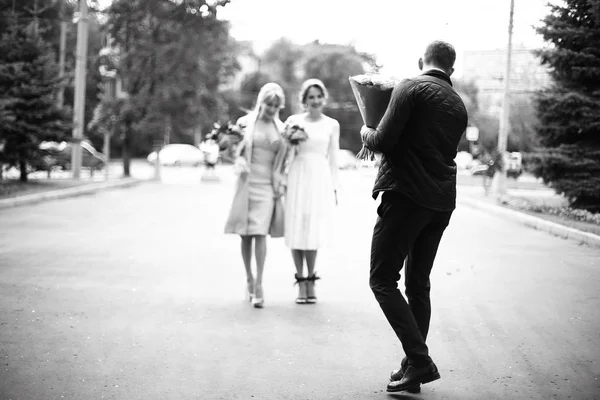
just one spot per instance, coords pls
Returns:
(60, 97)
(79, 107)
(499, 186)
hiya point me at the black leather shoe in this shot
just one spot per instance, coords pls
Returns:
(413, 377)
(397, 375)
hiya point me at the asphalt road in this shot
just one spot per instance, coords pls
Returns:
(137, 294)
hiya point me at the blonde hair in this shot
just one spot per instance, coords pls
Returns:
(268, 92)
(309, 83)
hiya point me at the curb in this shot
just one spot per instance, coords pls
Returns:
(68, 192)
(534, 222)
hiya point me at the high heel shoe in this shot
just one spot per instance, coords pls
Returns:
(311, 296)
(250, 290)
(302, 297)
(258, 300)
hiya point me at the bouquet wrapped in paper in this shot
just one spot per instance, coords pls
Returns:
(372, 93)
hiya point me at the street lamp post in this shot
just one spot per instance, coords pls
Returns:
(79, 106)
(499, 186)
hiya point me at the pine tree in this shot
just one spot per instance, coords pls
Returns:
(28, 84)
(569, 110)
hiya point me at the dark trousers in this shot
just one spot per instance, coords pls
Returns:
(406, 231)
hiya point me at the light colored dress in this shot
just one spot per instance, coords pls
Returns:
(312, 179)
(254, 199)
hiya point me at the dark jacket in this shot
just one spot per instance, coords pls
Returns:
(418, 137)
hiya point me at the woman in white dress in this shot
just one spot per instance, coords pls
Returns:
(259, 161)
(311, 186)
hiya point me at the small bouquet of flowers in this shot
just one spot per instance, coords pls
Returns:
(226, 135)
(372, 92)
(294, 133)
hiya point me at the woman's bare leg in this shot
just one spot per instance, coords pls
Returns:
(246, 245)
(260, 252)
(298, 257)
(311, 259)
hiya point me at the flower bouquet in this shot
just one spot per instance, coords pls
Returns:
(228, 136)
(372, 93)
(294, 134)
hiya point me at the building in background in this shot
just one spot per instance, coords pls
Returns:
(486, 69)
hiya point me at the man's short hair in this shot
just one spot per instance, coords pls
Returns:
(441, 54)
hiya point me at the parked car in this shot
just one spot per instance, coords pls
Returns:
(59, 155)
(178, 154)
(514, 164)
(477, 168)
(347, 160)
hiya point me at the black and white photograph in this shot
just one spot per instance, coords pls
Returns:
(314, 200)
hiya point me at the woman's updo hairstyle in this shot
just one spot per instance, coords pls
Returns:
(309, 83)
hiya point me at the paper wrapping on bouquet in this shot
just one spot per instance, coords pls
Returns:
(372, 99)
(372, 93)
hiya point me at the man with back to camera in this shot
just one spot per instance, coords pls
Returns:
(418, 138)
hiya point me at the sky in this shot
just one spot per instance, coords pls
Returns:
(395, 31)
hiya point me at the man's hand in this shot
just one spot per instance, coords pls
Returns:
(365, 131)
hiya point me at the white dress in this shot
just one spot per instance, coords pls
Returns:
(312, 179)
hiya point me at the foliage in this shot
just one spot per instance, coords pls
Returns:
(562, 212)
(572, 170)
(333, 64)
(569, 111)
(289, 64)
(174, 56)
(45, 17)
(522, 120)
(28, 85)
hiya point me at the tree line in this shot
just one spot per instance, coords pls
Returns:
(178, 65)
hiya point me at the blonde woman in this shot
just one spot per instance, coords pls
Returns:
(311, 186)
(259, 160)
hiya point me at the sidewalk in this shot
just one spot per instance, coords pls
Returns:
(474, 196)
(76, 190)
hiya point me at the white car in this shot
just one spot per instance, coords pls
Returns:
(178, 154)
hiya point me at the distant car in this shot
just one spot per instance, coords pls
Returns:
(59, 155)
(178, 154)
(514, 164)
(347, 160)
(479, 169)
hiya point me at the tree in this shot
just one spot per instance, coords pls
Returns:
(333, 64)
(44, 17)
(28, 85)
(282, 62)
(174, 57)
(569, 111)
(523, 123)
(468, 92)
(522, 120)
